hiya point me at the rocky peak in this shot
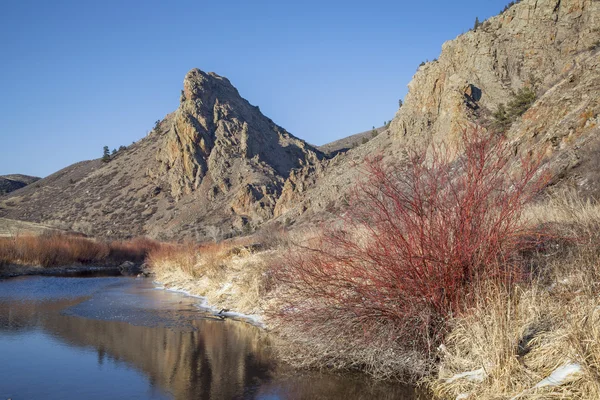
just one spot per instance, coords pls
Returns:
(215, 133)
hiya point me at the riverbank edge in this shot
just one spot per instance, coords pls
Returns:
(253, 319)
(127, 268)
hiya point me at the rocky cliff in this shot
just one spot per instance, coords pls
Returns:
(216, 135)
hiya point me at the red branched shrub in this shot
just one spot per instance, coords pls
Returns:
(417, 238)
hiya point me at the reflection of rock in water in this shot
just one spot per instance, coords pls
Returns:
(217, 360)
(315, 386)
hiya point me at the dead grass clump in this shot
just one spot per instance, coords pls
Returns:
(171, 257)
(230, 274)
(345, 343)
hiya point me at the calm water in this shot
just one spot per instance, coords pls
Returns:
(121, 338)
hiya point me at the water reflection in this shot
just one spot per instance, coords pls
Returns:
(177, 349)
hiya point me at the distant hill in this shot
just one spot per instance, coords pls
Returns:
(10, 183)
(349, 142)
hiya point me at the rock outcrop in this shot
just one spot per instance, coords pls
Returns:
(551, 46)
(216, 132)
(532, 43)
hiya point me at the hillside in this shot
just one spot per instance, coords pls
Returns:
(349, 142)
(10, 183)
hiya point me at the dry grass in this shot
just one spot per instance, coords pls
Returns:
(520, 337)
(230, 274)
(55, 249)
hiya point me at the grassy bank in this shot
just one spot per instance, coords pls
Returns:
(233, 274)
(58, 249)
(510, 338)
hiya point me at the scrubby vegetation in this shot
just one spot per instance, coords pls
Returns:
(418, 241)
(519, 104)
(56, 249)
(517, 338)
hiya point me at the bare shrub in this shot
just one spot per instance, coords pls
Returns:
(55, 249)
(418, 238)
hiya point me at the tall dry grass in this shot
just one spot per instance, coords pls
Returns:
(230, 274)
(56, 249)
(520, 337)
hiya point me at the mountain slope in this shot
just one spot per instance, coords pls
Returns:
(217, 166)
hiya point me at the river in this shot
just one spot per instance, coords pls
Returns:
(123, 338)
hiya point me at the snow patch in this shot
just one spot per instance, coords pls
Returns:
(474, 376)
(559, 375)
(556, 378)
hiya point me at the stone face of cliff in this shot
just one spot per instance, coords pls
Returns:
(215, 131)
(531, 44)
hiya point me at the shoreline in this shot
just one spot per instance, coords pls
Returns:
(127, 268)
(252, 319)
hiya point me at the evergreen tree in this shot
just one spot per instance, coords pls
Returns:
(502, 120)
(477, 24)
(106, 154)
(521, 102)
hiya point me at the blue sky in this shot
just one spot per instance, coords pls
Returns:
(78, 75)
